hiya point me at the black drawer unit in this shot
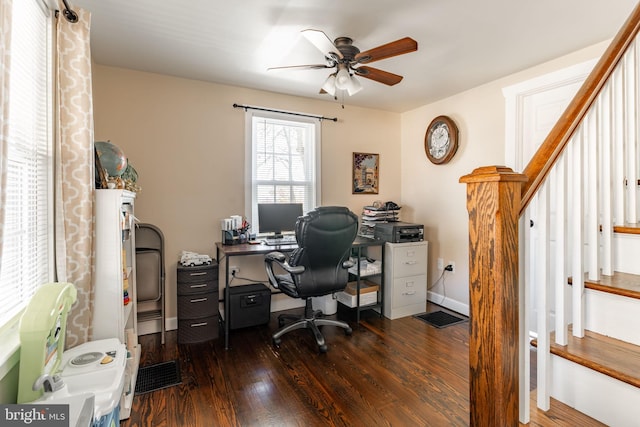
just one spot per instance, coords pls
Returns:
(250, 305)
(197, 303)
(199, 279)
(193, 306)
(197, 330)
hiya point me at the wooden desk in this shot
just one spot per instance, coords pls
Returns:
(246, 249)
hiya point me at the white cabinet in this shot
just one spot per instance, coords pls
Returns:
(405, 279)
(114, 314)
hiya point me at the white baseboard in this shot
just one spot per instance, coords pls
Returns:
(281, 302)
(153, 326)
(278, 303)
(171, 323)
(449, 303)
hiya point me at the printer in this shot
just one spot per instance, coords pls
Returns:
(399, 232)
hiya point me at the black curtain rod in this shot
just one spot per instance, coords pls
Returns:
(69, 14)
(249, 107)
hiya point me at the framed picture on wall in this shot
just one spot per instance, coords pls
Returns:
(366, 168)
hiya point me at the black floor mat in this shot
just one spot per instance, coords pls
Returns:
(158, 376)
(440, 319)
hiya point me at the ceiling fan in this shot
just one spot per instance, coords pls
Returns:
(348, 61)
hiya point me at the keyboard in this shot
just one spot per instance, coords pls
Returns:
(285, 240)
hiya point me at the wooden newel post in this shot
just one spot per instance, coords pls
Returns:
(493, 202)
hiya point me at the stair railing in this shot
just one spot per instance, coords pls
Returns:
(497, 200)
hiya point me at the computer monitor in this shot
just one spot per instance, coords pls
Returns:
(277, 218)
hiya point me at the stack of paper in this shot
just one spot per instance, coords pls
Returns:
(367, 268)
(372, 215)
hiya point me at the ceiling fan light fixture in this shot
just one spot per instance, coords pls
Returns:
(353, 86)
(347, 59)
(329, 85)
(342, 77)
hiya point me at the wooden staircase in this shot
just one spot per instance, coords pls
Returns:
(623, 284)
(583, 191)
(605, 374)
(608, 356)
(607, 360)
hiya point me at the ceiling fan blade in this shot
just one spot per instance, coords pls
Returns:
(320, 40)
(388, 50)
(302, 67)
(380, 76)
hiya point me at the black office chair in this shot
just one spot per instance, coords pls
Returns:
(318, 267)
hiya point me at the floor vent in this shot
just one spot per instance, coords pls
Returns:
(158, 376)
(440, 319)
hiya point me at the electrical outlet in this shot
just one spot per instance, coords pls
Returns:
(440, 264)
(234, 269)
(453, 266)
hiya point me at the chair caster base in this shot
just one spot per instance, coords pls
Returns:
(315, 321)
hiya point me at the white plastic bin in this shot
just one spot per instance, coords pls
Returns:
(328, 304)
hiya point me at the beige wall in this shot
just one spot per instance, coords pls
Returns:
(433, 193)
(187, 143)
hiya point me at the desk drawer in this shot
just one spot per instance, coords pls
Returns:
(409, 290)
(409, 260)
(197, 330)
(197, 287)
(198, 274)
(197, 305)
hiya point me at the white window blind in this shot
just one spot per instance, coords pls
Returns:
(284, 161)
(26, 253)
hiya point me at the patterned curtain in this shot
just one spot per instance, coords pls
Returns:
(5, 43)
(75, 170)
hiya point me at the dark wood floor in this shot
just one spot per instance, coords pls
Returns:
(388, 373)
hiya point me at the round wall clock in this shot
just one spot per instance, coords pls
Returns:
(441, 140)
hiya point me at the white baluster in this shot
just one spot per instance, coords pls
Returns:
(606, 182)
(630, 115)
(591, 192)
(543, 295)
(559, 269)
(577, 239)
(618, 132)
(524, 312)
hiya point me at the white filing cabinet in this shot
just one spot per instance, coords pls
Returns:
(405, 279)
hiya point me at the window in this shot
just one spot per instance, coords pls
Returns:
(27, 259)
(282, 161)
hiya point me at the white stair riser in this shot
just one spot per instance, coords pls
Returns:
(626, 248)
(611, 315)
(608, 400)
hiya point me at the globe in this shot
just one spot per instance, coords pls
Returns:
(130, 173)
(112, 158)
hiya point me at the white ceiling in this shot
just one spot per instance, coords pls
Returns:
(461, 43)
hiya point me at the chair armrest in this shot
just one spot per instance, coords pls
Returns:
(281, 260)
(348, 264)
(276, 256)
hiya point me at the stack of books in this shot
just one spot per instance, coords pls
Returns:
(372, 215)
